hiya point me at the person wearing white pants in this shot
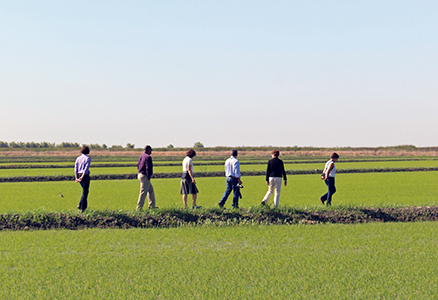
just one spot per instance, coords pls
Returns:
(274, 174)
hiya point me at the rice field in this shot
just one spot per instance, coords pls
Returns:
(359, 189)
(365, 261)
(377, 261)
(200, 167)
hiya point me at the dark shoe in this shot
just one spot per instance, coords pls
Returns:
(196, 207)
(155, 207)
(322, 200)
(263, 203)
(221, 205)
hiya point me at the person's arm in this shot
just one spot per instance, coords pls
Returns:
(87, 166)
(189, 170)
(76, 170)
(268, 171)
(283, 172)
(149, 167)
(139, 164)
(237, 169)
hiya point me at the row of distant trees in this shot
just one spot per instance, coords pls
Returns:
(198, 146)
(46, 145)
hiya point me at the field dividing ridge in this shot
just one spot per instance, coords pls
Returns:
(213, 217)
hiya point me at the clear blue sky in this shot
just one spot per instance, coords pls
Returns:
(224, 73)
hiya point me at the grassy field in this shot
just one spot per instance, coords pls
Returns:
(210, 168)
(368, 189)
(367, 261)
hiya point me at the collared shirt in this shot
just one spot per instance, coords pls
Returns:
(144, 165)
(275, 169)
(82, 164)
(232, 167)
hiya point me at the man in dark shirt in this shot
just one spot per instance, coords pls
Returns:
(145, 171)
(274, 173)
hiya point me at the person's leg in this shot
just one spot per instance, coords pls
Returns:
(269, 192)
(227, 191)
(331, 190)
(85, 184)
(236, 193)
(323, 198)
(151, 195)
(144, 186)
(184, 198)
(277, 185)
(194, 197)
(82, 196)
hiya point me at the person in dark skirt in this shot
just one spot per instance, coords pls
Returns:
(82, 175)
(188, 183)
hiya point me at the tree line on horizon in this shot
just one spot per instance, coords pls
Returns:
(200, 147)
(63, 145)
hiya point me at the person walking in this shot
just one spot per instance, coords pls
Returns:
(328, 175)
(188, 183)
(145, 171)
(274, 173)
(232, 172)
(82, 175)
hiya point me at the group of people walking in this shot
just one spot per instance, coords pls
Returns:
(275, 174)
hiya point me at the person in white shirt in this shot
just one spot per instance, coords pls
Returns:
(188, 183)
(329, 177)
(232, 172)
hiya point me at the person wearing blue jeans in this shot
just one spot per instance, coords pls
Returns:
(232, 172)
(329, 178)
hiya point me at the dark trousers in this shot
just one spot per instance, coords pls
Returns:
(231, 186)
(330, 182)
(85, 184)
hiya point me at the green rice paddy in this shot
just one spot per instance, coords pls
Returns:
(364, 261)
(359, 189)
(215, 168)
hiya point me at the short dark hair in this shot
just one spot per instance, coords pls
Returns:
(147, 148)
(275, 152)
(191, 153)
(335, 155)
(85, 150)
(234, 152)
